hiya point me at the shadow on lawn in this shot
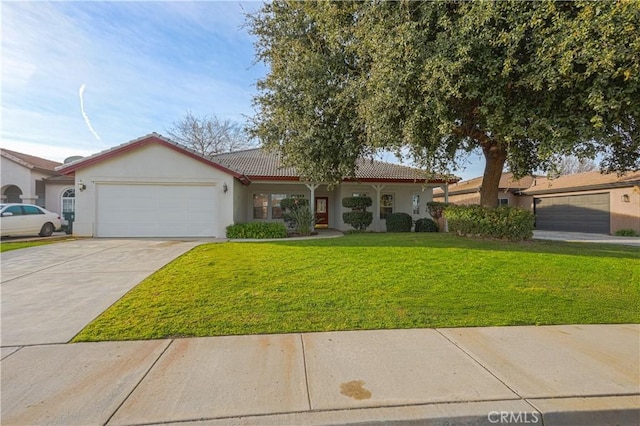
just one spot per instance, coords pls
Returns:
(441, 240)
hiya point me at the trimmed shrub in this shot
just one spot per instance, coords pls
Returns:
(426, 225)
(399, 222)
(359, 220)
(257, 230)
(626, 233)
(357, 203)
(503, 222)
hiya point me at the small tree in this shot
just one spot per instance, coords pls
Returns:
(298, 215)
(358, 217)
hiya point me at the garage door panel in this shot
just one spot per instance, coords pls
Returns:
(156, 210)
(574, 213)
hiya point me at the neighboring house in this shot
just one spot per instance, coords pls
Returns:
(587, 202)
(582, 202)
(468, 191)
(152, 186)
(34, 180)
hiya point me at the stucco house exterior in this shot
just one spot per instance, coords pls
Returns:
(583, 202)
(468, 191)
(587, 202)
(154, 187)
(34, 180)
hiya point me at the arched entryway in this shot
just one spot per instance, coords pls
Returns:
(11, 194)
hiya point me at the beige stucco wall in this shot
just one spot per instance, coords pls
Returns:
(150, 164)
(24, 178)
(624, 215)
(402, 199)
(54, 191)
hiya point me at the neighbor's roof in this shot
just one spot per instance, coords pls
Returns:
(30, 161)
(259, 164)
(507, 183)
(583, 182)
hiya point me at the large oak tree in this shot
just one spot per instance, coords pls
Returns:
(523, 82)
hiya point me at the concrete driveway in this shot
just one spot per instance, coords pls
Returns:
(583, 237)
(50, 292)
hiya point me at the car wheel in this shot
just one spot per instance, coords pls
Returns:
(47, 230)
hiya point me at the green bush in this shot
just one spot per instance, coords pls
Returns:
(289, 206)
(257, 230)
(359, 220)
(357, 203)
(436, 209)
(399, 222)
(503, 222)
(302, 219)
(426, 225)
(626, 233)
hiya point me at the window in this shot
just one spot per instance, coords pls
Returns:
(386, 205)
(297, 196)
(32, 210)
(415, 201)
(69, 200)
(504, 201)
(276, 210)
(359, 194)
(260, 206)
(15, 210)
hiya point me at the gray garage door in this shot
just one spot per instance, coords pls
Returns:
(574, 213)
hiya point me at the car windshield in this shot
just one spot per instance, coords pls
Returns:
(2, 206)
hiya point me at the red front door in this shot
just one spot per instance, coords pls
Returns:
(322, 212)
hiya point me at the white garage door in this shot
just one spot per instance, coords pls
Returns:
(156, 210)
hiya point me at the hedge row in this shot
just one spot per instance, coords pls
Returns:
(503, 222)
(257, 230)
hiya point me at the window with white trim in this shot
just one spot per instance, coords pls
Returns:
(415, 202)
(260, 206)
(386, 205)
(69, 200)
(276, 210)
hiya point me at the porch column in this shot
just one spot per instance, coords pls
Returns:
(445, 188)
(376, 212)
(312, 202)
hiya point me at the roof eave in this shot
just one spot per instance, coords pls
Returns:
(580, 188)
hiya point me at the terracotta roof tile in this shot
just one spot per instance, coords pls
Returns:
(260, 164)
(31, 161)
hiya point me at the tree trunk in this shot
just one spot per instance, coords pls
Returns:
(495, 157)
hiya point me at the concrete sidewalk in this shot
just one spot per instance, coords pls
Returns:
(583, 237)
(555, 375)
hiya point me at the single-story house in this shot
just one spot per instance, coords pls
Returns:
(468, 191)
(582, 202)
(33, 180)
(154, 187)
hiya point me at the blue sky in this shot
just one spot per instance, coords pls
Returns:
(141, 66)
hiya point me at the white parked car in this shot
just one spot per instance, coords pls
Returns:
(27, 219)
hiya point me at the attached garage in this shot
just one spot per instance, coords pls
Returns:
(156, 210)
(574, 213)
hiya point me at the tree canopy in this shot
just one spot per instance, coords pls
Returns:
(524, 82)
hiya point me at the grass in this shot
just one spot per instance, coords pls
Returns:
(8, 246)
(376, 281)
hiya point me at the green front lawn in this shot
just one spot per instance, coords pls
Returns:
(375, 281)
(8, 246)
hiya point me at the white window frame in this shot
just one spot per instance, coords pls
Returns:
(413, 206)
(64, 197)
(393, 204)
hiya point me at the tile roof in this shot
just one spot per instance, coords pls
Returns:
(507, 183)
(258, 163)
(30, 161)
(583, 181)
